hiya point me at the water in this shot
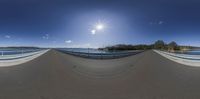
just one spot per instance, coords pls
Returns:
(192, 52)
(84, 50)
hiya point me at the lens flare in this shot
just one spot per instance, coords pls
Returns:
(93, 32)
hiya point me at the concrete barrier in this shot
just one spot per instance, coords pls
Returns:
(189, 60)
(11, 60)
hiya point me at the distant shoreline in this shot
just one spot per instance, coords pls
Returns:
(159, 45)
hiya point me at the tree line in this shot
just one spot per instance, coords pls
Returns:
(160, 44)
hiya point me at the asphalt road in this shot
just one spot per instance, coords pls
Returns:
(55, 75)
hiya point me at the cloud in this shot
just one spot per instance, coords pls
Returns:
(7, 36)
(68, 41)
(156, 23)
(46, 36)
(160, 22)
(86, 45)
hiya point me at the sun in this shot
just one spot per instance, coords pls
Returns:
(99, 26)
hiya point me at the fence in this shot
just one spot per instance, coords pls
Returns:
(106, 55)
(16, 54)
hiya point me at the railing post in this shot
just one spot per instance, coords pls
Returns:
(112, 54)
(22, 51)
(1, 53)
(101, 55)
(88, 52)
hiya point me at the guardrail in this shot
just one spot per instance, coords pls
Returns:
(11, 60)
(10, 55)
(108, 55)
(183, 56)
(190, 60)
(13, 52)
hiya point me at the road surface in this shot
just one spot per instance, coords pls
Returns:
(55, 75)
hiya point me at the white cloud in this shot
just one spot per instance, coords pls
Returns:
(86, 45)
(68, 41)
(46, 36)
(7, 36)
(160, 22)
(156, 23)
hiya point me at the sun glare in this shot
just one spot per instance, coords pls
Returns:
(93, 32)
(99, 26)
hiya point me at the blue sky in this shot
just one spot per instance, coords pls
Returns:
(69, 23)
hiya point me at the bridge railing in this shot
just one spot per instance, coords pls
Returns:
(8, 55)
(103, 55)
(183, 56)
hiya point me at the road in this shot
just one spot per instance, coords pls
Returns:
(55, 75)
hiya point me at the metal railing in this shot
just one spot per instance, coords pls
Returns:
(182, 56)
(16, 54)
(106, 55)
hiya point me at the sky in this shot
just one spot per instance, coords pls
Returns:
(98, 23)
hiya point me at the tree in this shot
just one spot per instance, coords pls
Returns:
(159, 44)
(172, 46)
